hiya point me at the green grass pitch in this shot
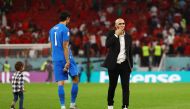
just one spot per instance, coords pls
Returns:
(93, 96)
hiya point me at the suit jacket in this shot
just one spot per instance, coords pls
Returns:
(113, 44)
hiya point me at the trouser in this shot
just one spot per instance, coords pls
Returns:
(49, 78)
(21, 96)
(145, 61)
(157, 60)
(123, 70)
(5, 77)
(88, 76)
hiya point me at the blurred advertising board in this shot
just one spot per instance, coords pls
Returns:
(102, 77)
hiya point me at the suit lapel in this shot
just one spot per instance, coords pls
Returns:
(126, 41)
(118, 43)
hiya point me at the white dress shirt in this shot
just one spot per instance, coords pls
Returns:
(121, 57)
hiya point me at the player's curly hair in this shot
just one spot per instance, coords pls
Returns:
(19, 65)
(64, 15)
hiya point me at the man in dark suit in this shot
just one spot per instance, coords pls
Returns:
(119, 62)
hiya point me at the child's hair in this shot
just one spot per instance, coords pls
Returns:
(19, 65)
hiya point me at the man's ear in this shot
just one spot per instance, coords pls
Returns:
(116, 27)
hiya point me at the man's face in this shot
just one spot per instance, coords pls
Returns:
(68, 20)
(120, 24)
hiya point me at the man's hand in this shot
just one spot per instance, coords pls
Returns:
(23, 90)
(118, 32)
(66, 54)
(67, 65)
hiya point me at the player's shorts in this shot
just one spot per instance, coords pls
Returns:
(59, 73)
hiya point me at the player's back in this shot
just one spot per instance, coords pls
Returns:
(58, 34)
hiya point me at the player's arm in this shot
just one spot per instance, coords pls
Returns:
(65, 36)
(50, 42)
(50, 47)
(66, 53)
(111, 39)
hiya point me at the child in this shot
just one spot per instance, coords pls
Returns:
(18, 85)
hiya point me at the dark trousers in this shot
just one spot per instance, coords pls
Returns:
(145, 61)
(21, 96)
(157, 60)
(123, 70)
(49, 78)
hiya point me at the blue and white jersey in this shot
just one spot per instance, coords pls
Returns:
(58, 34)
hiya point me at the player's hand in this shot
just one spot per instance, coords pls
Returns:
(24, 90)
(67, 65)
(118, 31)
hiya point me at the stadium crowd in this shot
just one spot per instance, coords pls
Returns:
(163, 23)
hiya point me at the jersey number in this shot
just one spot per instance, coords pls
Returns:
(55, 39)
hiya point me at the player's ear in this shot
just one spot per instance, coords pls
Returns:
(68, 18)
(116, 27)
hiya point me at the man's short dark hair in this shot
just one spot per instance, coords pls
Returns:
(19, 65)
(64, 16)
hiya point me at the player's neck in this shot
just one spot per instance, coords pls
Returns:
(64, 22)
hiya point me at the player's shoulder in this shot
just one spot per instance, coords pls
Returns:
(65, 28)
(55, 27)
(59, 27)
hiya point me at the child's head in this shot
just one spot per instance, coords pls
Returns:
(19, 66)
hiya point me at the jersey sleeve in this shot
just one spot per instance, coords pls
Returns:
(66, 35)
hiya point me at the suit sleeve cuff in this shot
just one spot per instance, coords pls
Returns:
(116, 35)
